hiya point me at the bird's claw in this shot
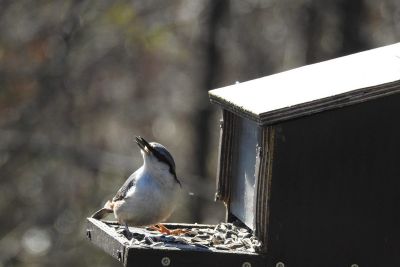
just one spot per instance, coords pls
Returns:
(128, 234)
(164, 230)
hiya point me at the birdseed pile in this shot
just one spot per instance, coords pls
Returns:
(222, 237)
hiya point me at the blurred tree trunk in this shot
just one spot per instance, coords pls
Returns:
(216, 12)
(353, 23)
(350, 20)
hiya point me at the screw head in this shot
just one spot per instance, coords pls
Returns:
(89, 234)
(246, 264)
(354, 265)
(280, 264)
(166, 261)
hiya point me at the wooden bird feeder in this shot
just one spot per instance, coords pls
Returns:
(310, 160)
(309, 163)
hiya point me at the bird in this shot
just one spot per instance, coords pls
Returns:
(150, 194)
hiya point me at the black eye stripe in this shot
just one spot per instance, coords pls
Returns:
(160, 157)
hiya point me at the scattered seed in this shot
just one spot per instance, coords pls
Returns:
(235, 246)
(247, 242)
(230, 234)
(221, 247)
(138, 236)
(192, 233)
(203, 236)
(148, 240)
(224, 236)
(196, 239)
(228, 241)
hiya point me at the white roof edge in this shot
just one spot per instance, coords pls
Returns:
(315, 84)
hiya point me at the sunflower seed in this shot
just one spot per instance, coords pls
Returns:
(221, 247)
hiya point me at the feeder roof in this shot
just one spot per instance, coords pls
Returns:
(314, 88)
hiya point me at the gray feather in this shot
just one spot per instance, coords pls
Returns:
(129, 183)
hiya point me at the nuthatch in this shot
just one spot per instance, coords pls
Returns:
(149, 195)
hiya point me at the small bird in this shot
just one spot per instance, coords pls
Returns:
(149, 195)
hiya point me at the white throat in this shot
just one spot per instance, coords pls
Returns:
(157, 171)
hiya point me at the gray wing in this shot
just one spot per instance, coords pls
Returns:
(129, 183)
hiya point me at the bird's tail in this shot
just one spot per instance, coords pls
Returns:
(107, 209)
(101, 213)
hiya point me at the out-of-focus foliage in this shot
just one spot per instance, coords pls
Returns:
(79, 79)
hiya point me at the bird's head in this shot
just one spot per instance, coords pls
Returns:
(157, 156)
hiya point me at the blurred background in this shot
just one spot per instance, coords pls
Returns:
(79, 79)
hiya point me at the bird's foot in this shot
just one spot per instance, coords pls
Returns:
(128, 234)
(164, 230)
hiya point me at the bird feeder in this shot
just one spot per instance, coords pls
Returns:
(309, 166)
(309, 159)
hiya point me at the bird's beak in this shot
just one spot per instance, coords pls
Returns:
(144, 145)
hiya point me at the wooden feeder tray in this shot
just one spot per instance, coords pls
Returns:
(149, 248)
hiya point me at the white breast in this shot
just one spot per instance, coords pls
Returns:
(150, 201)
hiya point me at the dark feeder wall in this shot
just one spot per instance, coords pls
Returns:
(336, 184)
